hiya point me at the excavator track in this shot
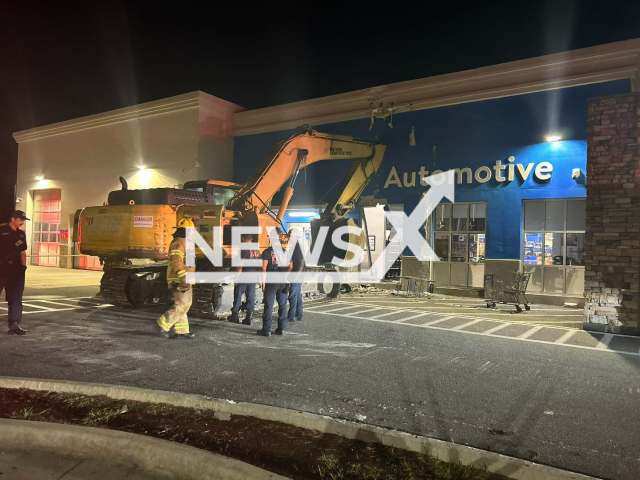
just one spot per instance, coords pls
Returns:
(135, 286)
(125, 286)
(112, 287)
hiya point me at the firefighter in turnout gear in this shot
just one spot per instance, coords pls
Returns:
(176, 317)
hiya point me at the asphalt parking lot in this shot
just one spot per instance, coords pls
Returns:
(556, 325)
(446, 367)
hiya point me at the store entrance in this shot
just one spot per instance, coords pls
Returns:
(553, 245)
(459, 241)
(46, 225)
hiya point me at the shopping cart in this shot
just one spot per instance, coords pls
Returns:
(515, 295)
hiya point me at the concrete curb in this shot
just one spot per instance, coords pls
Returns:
(162, 458)
(449, 452)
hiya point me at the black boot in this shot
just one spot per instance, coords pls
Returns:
(165, 333)
(184, 336)
(248, 320)
(16, 330)
(233, 318)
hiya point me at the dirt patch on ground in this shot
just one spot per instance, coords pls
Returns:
(273, 446)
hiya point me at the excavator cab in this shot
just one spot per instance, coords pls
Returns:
(219, 192)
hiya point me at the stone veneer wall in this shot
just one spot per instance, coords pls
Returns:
(612, 246)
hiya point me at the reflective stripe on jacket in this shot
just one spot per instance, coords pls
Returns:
(177, 269)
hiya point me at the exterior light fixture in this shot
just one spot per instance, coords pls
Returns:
(141, 167)
(553, 137)
(39, 178)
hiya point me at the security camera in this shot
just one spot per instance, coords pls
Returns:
(576, 173)
(19, 200)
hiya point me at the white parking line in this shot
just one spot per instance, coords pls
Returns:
(434, 322)
(464, 325)
(43, 298)
(502, 323)
(549, 322)
(314, 307)
(38, 306)
(499, 327)
(68, 304)
(476, 316)
(389, 313)
(341, 308)
(528, 333)
(411, 317)
(69, 309)
(604, 341)
(566, 336)
(448, 304)
(365, 311)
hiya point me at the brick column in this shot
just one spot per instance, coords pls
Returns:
(612, 246)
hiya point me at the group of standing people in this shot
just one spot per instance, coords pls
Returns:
(287, 295)
(174, 323)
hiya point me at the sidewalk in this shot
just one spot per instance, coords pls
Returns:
(54, 277)
(36, 464)
(42, 450)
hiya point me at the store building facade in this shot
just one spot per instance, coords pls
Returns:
(519, 199)
(74, 164)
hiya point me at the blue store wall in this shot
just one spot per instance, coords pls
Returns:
(468, 135)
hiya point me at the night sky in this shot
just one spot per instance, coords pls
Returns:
(60, 60)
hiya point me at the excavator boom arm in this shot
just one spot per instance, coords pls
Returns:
(354, 183)
(299, 151)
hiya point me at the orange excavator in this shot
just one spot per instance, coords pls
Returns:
(132, 231)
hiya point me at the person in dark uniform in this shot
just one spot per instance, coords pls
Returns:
(13, 265)
(295, 290)
(273, 292)
(246, 289)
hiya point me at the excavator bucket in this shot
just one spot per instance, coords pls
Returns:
(329, 251)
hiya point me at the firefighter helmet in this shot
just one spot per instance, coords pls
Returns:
(185, 223)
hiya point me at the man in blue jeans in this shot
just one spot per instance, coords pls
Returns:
(247, 289)
(273, 292)
(295, 291)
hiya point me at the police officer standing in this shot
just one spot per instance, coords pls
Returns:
(13, 265)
